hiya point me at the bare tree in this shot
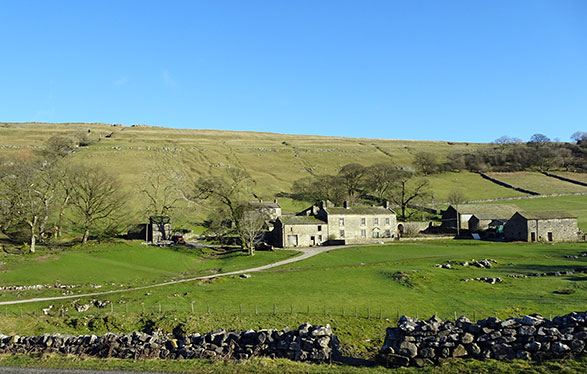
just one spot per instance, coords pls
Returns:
(162, 192)
(26, 194)
(351, 176)
(324, 187)
(407, 190)
(229, 191)
(253, 226)
(96, 197)
(379, 179)
(425, 163)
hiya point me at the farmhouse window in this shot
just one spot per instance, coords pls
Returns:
(363, 233)
(376, 221)
(387, 233)
(319, 228)
(387, 221)
(341, 221)
(363, 221)
(342, 233)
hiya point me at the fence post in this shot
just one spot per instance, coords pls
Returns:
(111, 308)
(240, 307)
(256, 310)
(380, 314)
(126, 307)
(143, 307)
(455, 315)
(192, 303)
(356, 315)
(20, 312)
(308, 310)
(342, 314)
(474, 317)
(159, 307)
(368, 313)
(208, 308)
(291, 309)
(324, 309)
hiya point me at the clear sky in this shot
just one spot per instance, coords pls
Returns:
(433, 70)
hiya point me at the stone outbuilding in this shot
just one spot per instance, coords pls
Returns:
(541, 226)
(477, 217)
(271, 208)
(299, 231)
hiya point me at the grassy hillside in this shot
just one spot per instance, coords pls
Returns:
(275, 161)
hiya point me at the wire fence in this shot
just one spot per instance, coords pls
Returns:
(361, 312)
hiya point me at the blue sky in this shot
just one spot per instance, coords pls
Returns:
(430, 70)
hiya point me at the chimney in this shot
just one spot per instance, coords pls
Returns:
(275, 201)
(345, 204)
(386, 204)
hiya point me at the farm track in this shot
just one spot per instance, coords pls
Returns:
(306, 253)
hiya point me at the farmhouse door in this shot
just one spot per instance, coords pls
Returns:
(292, 240)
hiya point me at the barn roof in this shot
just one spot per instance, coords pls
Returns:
(546, 215)
(489, 211)
(301, 220)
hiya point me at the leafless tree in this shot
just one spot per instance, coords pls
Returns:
(352, 176)
(27, 189)
(379, 179)
(96, 196)
(229, 191)
(162, 192)
(407, 189)
(253, 226)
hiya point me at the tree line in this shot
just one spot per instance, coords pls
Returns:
(402, 186)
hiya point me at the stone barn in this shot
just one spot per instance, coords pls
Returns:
(541, 227)
(299, 231)
(477, 217)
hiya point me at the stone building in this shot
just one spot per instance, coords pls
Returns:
(159, 229)
(271, 209)
(477, 217)
(299, 231)
(323, 222)
(541, 226)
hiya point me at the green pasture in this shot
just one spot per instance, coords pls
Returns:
(473, 186)
(538, 182)
(121, 265)
(384, 280)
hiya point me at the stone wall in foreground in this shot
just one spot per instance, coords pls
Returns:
(432, 342)
(306, 343)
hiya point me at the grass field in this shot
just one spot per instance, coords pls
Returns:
(387, 279)
(358, 290)
(538, 182)
(122, 265)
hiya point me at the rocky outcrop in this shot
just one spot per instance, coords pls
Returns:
(307, 343)
(432, 342)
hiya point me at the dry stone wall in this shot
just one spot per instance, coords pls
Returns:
(306, 343)
(432, 342)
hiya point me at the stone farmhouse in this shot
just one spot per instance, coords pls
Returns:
(324, 222)
(542, 227)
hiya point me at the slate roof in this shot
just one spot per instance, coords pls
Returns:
(358, 210)
(300, 220)
(546, 215)
(489, 211)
